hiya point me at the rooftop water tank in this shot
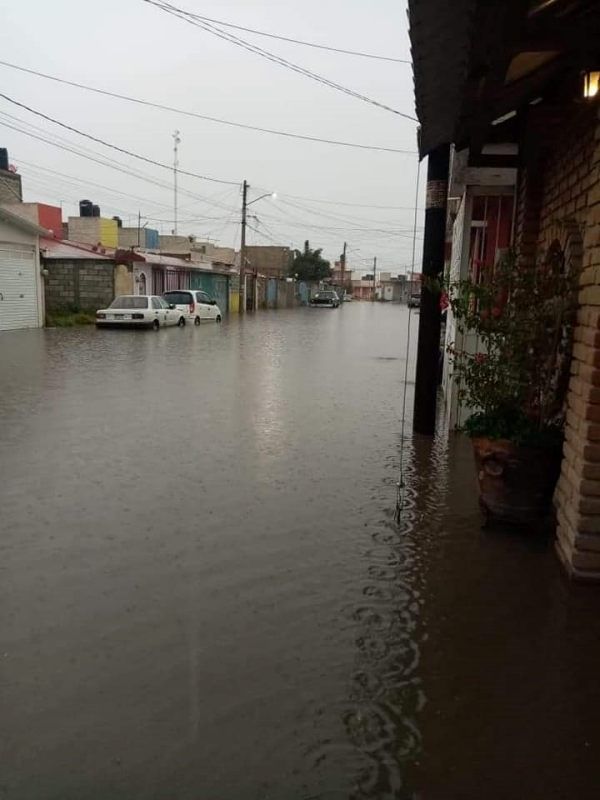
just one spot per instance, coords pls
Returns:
(85, 208)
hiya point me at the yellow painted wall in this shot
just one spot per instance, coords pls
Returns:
(109, 232)
(234, 302)
(123, 280)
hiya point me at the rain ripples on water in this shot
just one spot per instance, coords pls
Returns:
(205, 592)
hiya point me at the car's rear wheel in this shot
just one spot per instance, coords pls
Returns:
(181, 322)
(156, 324)
(218, 318)
(197, 321)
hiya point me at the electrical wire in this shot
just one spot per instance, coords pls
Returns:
(299, 41)
(94, 156)
(208, 27)
(401, 482)
(49, 188)
(96, 139)
(353, 205)
(295, 221)
(149, 180)
(348, 228)
(184, 112)
(8, 184)
(339, 218)
(61, 177)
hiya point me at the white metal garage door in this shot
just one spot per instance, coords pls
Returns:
(18, 289)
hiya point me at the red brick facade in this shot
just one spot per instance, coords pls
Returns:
(564, 207)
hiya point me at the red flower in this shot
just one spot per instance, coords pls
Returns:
(480, 358)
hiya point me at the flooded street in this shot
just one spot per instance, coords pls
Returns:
(204, 594)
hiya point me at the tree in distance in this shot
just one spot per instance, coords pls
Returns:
(309, 265)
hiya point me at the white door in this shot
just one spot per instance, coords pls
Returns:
(206, 310)
(18, 289)
(171, 314)
(159, 311)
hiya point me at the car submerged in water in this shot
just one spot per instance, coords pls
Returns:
(328, 299)
(139, 311)
(195, 305)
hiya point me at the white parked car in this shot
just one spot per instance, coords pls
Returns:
(195, 304)
(139, 311)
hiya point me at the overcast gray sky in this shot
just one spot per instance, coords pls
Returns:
(133, 48)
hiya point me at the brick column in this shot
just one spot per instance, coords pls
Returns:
(578, 492)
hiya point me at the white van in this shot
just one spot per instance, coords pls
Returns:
(195, 304)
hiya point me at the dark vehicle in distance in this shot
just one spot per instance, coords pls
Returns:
(325, 298)
(414, 301)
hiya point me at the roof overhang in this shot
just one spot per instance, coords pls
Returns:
(475, 61)
(22, 223)
(61, 249)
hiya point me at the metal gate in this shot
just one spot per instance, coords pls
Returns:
(304, 292)
(19, 302)
(217, 286)
(272, 293)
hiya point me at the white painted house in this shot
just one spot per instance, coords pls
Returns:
(21, 282)
(482, 230)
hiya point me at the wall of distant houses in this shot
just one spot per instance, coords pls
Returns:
(87, 284)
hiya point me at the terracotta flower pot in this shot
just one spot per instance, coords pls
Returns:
(516, 484)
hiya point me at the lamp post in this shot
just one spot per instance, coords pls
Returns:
(245, 204)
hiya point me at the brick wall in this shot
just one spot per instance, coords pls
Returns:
(59, 286)
(10, 187)
(570, 214)
(78, 284)
(269, 260)
(569, 174)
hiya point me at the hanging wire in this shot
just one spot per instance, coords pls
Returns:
(401, 485)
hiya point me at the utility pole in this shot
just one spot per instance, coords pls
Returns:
(139, 227)
(176, 143)
(343, 265)
(374, 277)
(242, 300)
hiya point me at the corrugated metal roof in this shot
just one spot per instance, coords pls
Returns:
(160, 260)
(62, 248)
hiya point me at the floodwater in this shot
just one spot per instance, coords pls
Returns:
(204, 594)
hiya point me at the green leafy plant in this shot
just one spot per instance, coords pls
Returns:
(516, 327)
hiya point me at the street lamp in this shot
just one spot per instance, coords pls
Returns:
(245, 204)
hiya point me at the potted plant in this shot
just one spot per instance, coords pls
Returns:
(511, 363)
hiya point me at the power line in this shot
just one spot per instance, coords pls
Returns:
(184, 112)
(298, 41)
(103, 161)
(379, 231)
(8, 185)
(337, 217)
(72, 180)
(85, 152)
(114, 146)
(350, 224)
(342, 203)
(180, 14)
